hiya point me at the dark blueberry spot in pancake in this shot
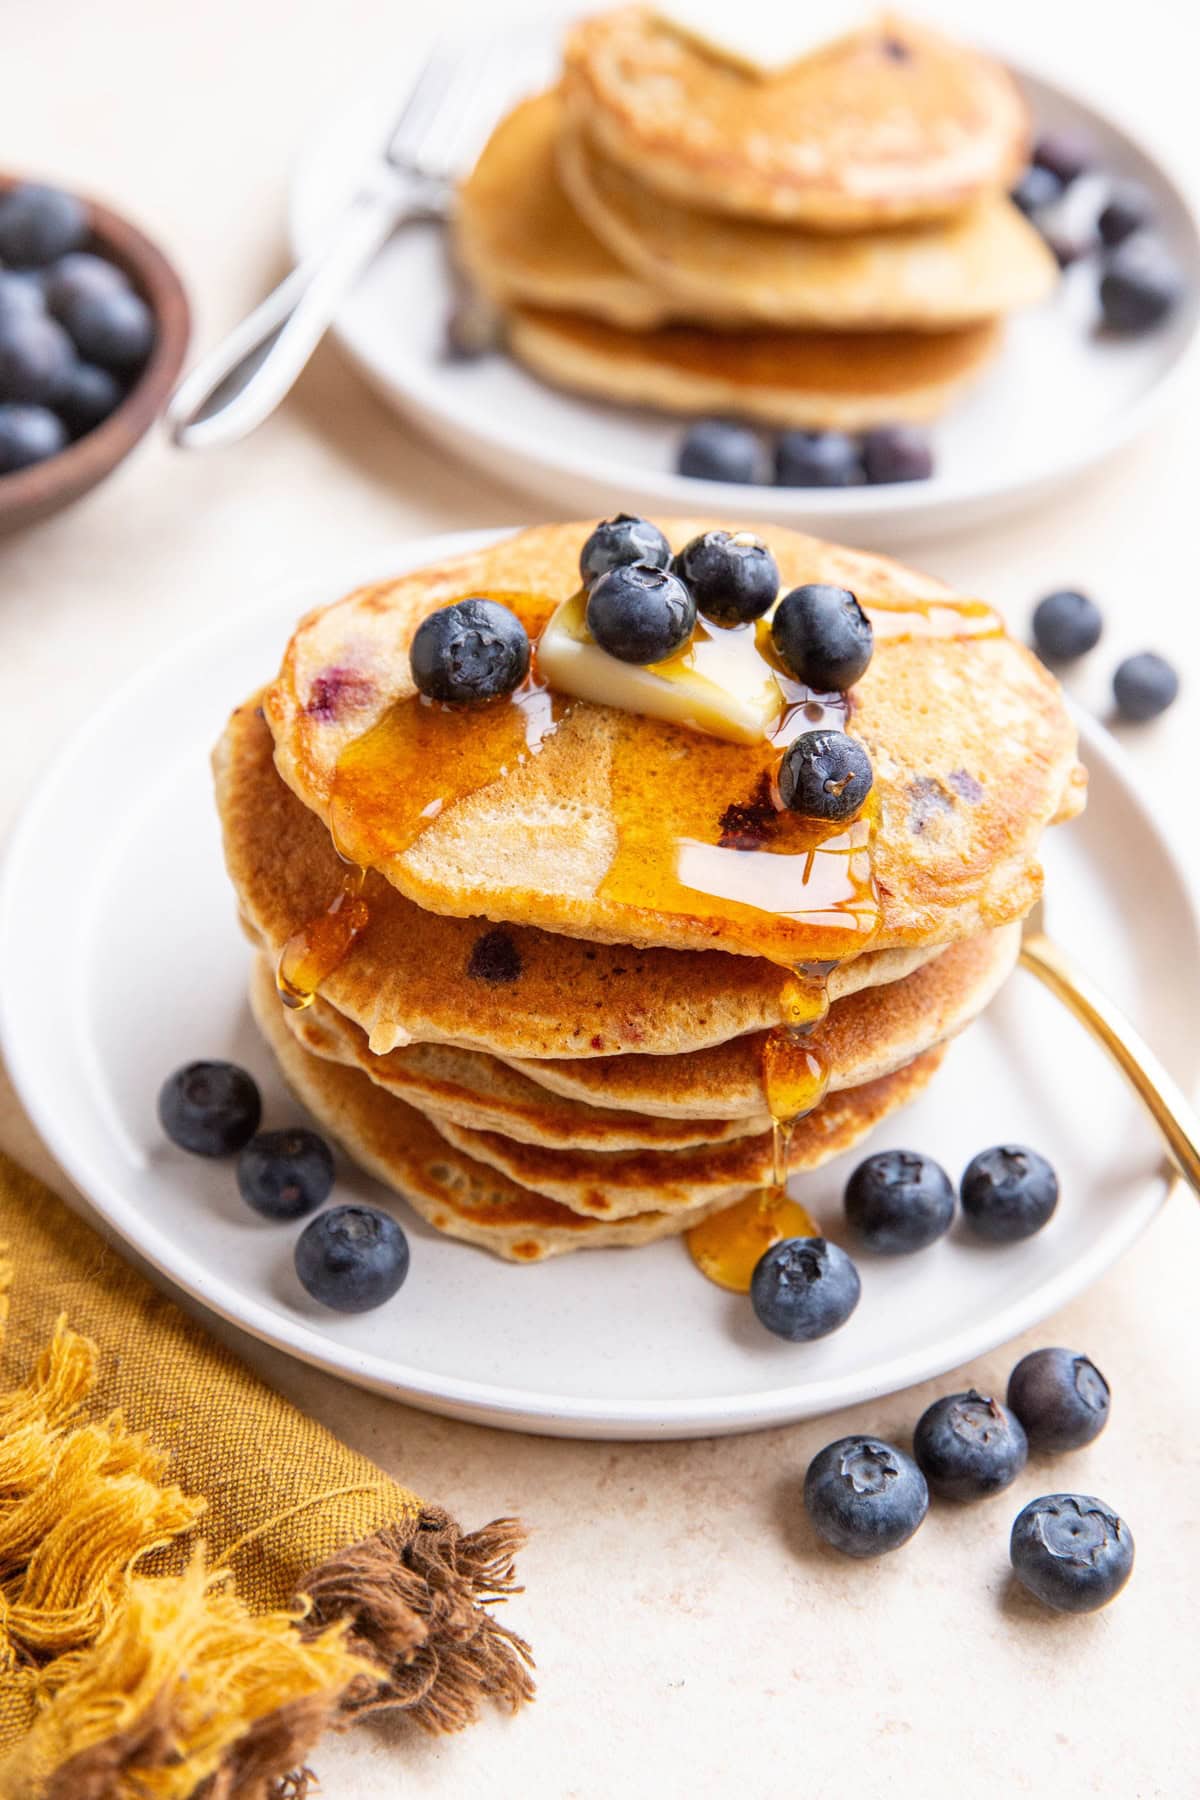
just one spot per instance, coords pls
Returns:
(494, 958)
(966, 786)
(618, 971)
(896, 51)
(748, 824)
(337, 690)
(597, 1043)
(259, 713)
(928, 801)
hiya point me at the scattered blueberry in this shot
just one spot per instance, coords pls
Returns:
(864, 1497)
(897, 453)
(715, 450)
(823, 636)
(804, 1288)
(898, 1201)
(88, 396)
(473, 650)
(640, 614)
(1128, 208)
(472, 329)
(35, 357)
(114, 328)
(1066, 154)
(1008, 1193)
(968, 1446)
(38, 224)
(1071, 1551)
(818, 459)
(1141, 285)
(1144, 686)
(209, 1108)
(732, 576)
(1066, 625)
(1060, 1397)
(28, 434)
(82, 272)
(1068, 234)
(1037, 189)
(625, 539)
(20, 292)
(285, 1174)
(825, 775)
(352, 1258)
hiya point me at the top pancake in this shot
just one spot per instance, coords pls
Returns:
(890, 123)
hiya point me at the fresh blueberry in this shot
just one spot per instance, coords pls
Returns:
(38, 224)
(1066, 625)
(1008, 1193)
(732, 575)
(818, 459)
(715, 450)
(473, 650)
(823, 636)
(864, 1497)
(113, 327)
(36, 356)
(968, 1445)
(804, 1288)
(28, 434)
(352, 1258)
(825, 775)
(1060, 1397)
(625, 539)
(898, 1201)
(1071, 1551)
(1144, 686)
(640, 614)
(89, 395)
(1068, 234)
(1141, 285)
(82, 272)
(209, 1108)
(20, 292)
(1066, 154)
(1129, 208)
(472, 330)
(1037, 189)
(285, 1174)
(897, 453)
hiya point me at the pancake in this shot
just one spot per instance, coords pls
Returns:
(810, 380)
(892, 122)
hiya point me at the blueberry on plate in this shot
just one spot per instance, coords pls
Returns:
(82, 272)
(823, 636)
(1066, 154)
(1066, 624)
(864, 1497)
(29, 434)
(473, 650)
(112, 327)
(1144, 686)
(472, 329)
(210, 1108)
(640, 614)
(38, 224)
(897, 453)
(352, 1258)
(716, 450)
(625, 539)
(89, 395)
(818, 459)
(732, 576)
(898, 1201)
(1037, 189)
(20, 292)
(1129, 208)
(1060, 1397)
(36, 356)
(1008, 1193)
(1071, 1551)
(285, 1174)
(804, 1288)
(825, 775)
(1141, 285)
(968, 1446)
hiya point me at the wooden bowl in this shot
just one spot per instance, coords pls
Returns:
(33, 493)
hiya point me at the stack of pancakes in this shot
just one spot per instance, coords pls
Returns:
(537, 1063)
(826, 246)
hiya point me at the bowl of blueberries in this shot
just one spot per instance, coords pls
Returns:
(93, 331)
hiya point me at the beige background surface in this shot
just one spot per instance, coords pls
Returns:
(692, 1637)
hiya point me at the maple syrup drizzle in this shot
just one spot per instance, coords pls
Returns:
(315, 950)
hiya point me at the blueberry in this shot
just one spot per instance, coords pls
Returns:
(898, 1201)
(625, 539)
(818, 459)
(114, 328)
(1065, 625)
(472, 329)
(823, 636)
(20, 292)
(81, 272)
(36, 356)
(864, 1497)
(1129, 208)
(1071, 1551)
(473, 650)
(1008, 1193)
(732, 575)
(209, 1108)
(715, 450)
(825, 775)
(897, 453)
(1066, 154)
(352, 1258)
(968, 1445)
(804, 1288)
(38, 224)
(1144, 686)
(285, 1174)
(89, 396)
(28, 434)
(640, 614)
(1141, 285)
(1060, 1397)
(1037, 189)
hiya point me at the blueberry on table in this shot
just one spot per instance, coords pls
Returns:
(1129, 208)
(1008, 1193)
(804, 1288)
(625, 539)
(38, 224)
(825, 775)
(1066, 624)
(968, 1446)
(640, 613)
(475, 649)
(864, 1496)
(82, 272)
(1036, 190)
(897, 453)
(1071, 1551)
(1065, 154)
(36, 357)
(352, 1258)
(210, 1108)
(285, 1174)
(29, 434)
(1060, 1397)
(820, 459)
(822, 636)
(114, 327)
(715, 450)
(1144, 686)
(732, 576)
(898, 1201)
(88, 397)
(1140, 286)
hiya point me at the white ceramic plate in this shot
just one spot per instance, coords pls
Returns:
(120, 958)
(1057, 400)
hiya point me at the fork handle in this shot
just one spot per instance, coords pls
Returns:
(1173, 1112)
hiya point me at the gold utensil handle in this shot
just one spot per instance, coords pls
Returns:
(1177, 1119)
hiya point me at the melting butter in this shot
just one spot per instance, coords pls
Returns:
(759, 37)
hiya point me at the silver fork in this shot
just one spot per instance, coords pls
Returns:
(436, 135)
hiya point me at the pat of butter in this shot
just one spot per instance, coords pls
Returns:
(762, 38)
(719, 683)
